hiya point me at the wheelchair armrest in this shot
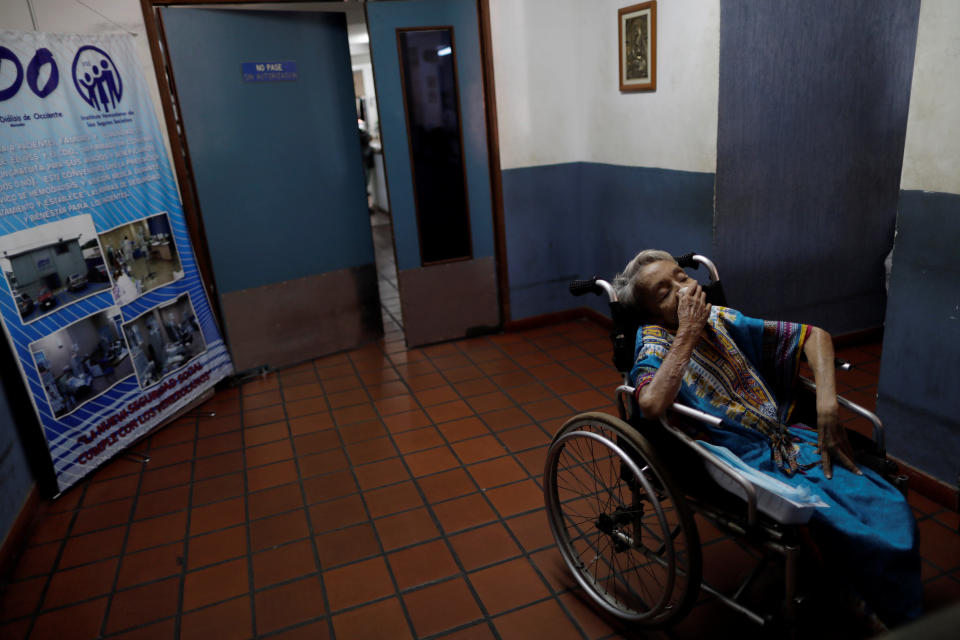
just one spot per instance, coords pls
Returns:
(878, 433)
(749, 490)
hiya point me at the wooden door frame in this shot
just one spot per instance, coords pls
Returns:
(184, 171)
(493, 154)
(178, 146)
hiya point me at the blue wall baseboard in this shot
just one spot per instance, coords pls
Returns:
(635, 208)
(920, 373)
(579, 219)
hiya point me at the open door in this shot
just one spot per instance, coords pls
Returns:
(429, 74)
(267, 105)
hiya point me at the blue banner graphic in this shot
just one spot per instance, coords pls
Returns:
(100, 296)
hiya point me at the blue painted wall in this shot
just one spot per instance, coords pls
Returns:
(278, 164)
(919, 391)
(544, 231)
(812, 118)
(16, 477)
(580, 219)
(24, 460)
(634, 208)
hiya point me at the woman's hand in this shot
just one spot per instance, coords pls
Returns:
(833, 444)
(832, 440)
(692, 314)
(692, 309)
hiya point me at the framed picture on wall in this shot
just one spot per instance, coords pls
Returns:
(637, 35)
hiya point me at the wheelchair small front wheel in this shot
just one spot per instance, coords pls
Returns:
(623, 529)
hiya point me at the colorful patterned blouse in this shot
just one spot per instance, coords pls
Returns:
(742, 371)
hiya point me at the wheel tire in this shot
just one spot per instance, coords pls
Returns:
(624, 531)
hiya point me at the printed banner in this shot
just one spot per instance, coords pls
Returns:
(100, 296)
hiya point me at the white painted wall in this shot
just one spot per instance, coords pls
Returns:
(674, 127)
(558, 96)
(536, 57)
(555, 63)
(931, 156)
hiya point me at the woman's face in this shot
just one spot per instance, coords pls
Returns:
(658, 284)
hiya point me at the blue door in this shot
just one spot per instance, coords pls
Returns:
(268, 109)
(429, 76)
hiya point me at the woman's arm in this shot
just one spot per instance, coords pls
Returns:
(692, 313)
(832, 439)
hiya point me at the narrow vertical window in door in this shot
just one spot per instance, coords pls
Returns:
(429, 80)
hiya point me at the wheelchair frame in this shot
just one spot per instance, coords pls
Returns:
(629, 456)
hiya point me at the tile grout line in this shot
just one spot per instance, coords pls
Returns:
(482, 492)
(185, 566)
(412, 589)
(251, 582)
(487, 376)
(366, 508)
(425, 505)
(109, 594)
(227, 499)
(48, 578)
(328, 614)
(502, 521)
(123, 545)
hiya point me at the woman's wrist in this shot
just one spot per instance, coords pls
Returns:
(828, 408)
(687, 334)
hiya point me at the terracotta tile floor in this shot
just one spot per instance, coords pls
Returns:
(380, 493)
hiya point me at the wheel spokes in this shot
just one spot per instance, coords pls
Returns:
(616, 561)
(621, 533)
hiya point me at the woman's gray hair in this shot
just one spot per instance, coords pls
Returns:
(625, 282)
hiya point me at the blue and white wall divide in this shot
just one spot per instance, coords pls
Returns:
(920, 373)
(100, 296)
(592, 175)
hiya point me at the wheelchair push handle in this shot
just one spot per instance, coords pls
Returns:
(694, 260)
(594, 285)
(583, 287)
(686, 261)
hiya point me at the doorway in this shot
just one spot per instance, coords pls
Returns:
(266, 104)
(435, 92)
(425, 297)
(378, 202)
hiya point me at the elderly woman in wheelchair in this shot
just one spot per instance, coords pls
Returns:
(620, 494)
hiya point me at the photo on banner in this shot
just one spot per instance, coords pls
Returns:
(101, 300)
(52, 266)
(140, 256)
(81, 361)
(164, 340)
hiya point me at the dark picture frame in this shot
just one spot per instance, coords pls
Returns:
(637, 45)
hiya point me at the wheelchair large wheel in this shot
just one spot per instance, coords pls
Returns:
(623, 529)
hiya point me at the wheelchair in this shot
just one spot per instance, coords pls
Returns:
(623, 518)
